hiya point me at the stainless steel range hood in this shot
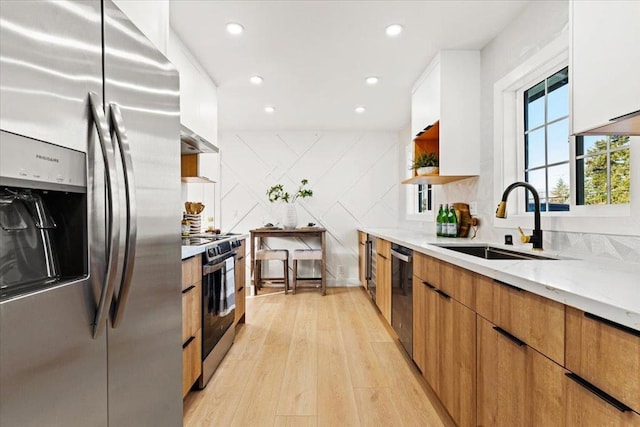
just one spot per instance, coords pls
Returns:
(192, 143)
(629, 124)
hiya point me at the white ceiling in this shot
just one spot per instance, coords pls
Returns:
(315, 55)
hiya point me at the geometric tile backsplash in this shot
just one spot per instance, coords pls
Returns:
(354, 177)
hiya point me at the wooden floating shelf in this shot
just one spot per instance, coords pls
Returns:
(435, 179)
(197, 179)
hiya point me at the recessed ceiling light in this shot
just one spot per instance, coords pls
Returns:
(372, 80)
(359, 109)
(393, 30)
(234, 28)
(256, 80)
(269, 109)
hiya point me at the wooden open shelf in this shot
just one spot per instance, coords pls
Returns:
(189, 170)
(435, 179)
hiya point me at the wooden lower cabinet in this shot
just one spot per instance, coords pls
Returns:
(362, 258)
(383, 285)
(191, 310)
(240, 269)
(457, 364)
(191, 362)
(425, 331)
(496, 355)
(444, 349)
(585, 409)
(517, 386)
(605, 354)
(501, 368)
(538, 321)
(191, 321)
(419, 323)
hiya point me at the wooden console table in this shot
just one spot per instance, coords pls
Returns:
(260, 233)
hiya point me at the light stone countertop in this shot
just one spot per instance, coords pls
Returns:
(609, 289)
(189, 251)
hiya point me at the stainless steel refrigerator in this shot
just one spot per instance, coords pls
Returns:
(90, 302)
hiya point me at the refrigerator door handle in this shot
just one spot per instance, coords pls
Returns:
(132, 219)
(113, 215)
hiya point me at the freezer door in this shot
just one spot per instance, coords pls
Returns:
(145, 341)
(52, 372)
(50, 59)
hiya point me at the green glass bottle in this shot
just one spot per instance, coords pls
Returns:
(452, 222)
(439, 221)
(445, 221)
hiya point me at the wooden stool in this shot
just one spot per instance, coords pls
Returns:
(306, 255)
(272, 255)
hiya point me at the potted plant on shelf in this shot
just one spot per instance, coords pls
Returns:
(425, 163)
(289, 217)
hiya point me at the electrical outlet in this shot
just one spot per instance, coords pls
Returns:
(473, 208)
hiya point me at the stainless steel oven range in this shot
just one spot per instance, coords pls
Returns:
(218, 304)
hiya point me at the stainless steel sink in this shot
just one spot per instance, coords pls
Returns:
(491, 252)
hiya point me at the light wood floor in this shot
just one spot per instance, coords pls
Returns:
(308, 360)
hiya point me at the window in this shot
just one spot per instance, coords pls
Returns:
(546, 142)
(530, 108)
(425, 198)
(603, 172)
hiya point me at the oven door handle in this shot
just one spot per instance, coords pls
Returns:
(402, 257)
(120, 133)
(113, 222)
(209, 269)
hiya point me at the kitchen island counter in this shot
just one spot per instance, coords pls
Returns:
(606, 288)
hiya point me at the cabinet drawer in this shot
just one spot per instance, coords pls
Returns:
(191, 310)
(427, 269)
(585, 408)
(362, 237)
(536, 320)
(383, 248)
(191, 271)
(458, 283)
(240, 304)
(605, 355)
(191, 363)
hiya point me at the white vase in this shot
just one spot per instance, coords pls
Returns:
(289, 216)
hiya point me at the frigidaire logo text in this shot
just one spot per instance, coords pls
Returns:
(47, 158)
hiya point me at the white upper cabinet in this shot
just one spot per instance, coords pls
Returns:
(425, 100)
(448, 92)
(198, 93)
(605, 61)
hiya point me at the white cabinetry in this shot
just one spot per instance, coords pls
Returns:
(198, 93)
(605, 59)
(448, 93)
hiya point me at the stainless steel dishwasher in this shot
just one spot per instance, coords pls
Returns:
(402, 295)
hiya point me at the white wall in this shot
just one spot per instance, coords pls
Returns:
(539, 23)
(353, 176)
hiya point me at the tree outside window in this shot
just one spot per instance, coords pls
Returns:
(603, 170)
